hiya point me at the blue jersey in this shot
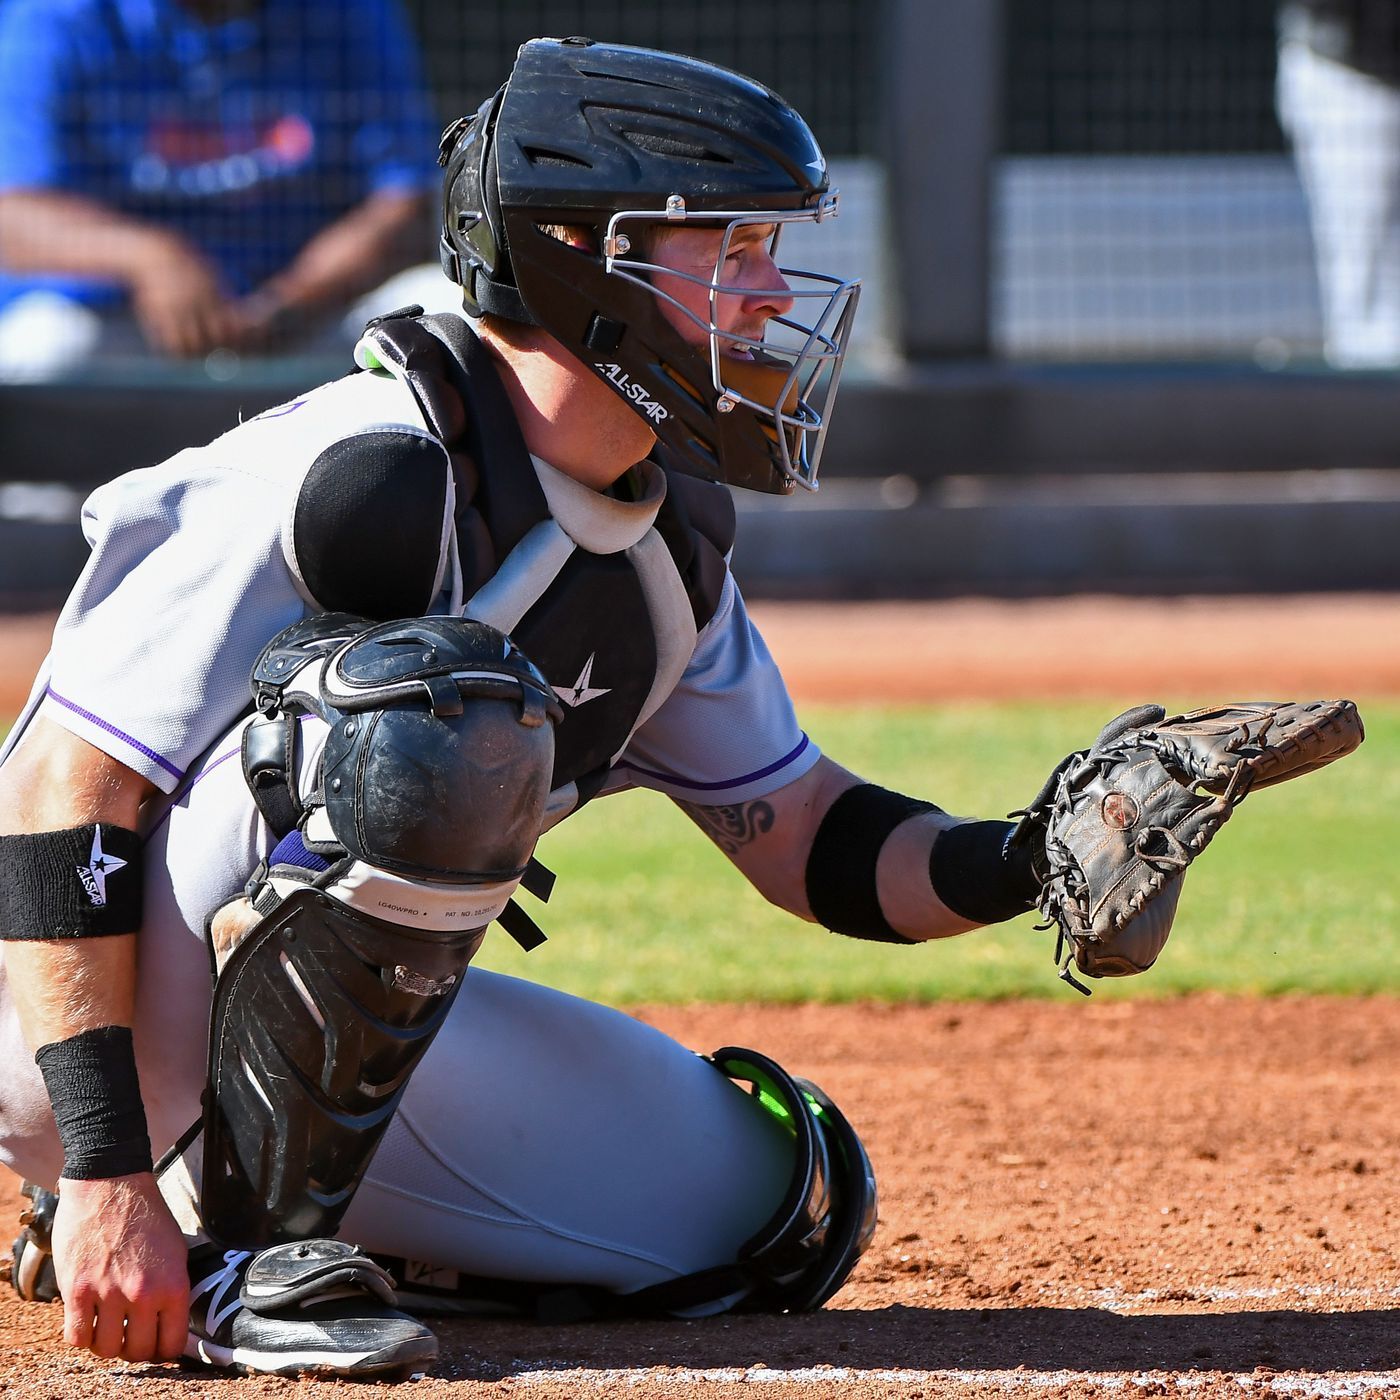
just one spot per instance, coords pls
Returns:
(246, 136)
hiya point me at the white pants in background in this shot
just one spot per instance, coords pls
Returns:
(1345, 129)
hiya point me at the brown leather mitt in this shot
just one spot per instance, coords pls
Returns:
(1122, 820)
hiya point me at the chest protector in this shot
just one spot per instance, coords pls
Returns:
(611, 623)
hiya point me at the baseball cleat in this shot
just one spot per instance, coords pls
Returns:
(32, 1271)
(315, 1306)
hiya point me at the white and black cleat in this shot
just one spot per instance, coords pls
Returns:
(32, 1253)
(317, 1306)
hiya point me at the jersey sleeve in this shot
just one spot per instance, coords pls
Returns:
(186, 583)
(191, 575)
(728, 732)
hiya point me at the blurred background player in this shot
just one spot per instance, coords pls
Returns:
(1339, 104)
(180, 176)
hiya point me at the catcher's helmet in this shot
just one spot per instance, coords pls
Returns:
(618, 142)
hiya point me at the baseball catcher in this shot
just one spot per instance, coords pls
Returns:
(540, 478)
(480, 582)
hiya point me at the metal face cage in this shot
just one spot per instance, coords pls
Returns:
(788, 374)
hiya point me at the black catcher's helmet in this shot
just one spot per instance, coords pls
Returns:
(620, 142)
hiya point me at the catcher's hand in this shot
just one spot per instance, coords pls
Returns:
(1121, 821)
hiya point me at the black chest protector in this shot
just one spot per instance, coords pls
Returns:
(606, 629)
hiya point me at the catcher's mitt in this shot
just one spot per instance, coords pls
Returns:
(1122, 820)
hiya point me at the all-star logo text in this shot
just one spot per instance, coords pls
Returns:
(633, 391)
(94, 874)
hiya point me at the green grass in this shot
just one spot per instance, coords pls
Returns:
(1298, 893)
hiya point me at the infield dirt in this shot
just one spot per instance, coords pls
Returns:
(1077, 1198)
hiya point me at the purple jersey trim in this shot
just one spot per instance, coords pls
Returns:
(178, 797)
(728, 782)
(113, 730)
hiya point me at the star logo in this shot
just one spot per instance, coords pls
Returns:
(100, 865)
(581, 692)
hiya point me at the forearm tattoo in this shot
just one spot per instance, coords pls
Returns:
(731, 828)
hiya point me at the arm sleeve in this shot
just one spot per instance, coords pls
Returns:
(35, 74)
(186, 583)
(728, 732)
(395, 142)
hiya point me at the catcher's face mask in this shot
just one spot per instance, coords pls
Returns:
(767, 338)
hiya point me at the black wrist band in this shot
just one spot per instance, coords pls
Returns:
(96, 1098)
(975, 873)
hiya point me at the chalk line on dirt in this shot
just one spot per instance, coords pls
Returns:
(1297, 1384)
(1114, 1299)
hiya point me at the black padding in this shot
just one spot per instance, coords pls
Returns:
(319, 1018)
(92, 1084)
(509, 496)
(454, 379)
(269, 760)
(561, 634)
(841, 867)
(697, 522)
(82, 882)
(976, 871)
(368, 527)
